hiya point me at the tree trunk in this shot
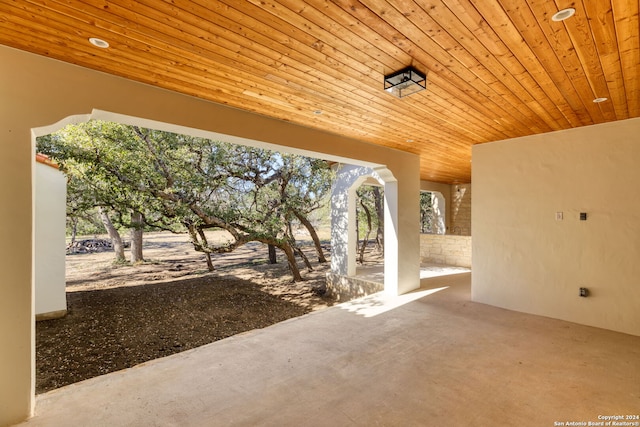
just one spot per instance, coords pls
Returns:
(272, 254)
(357, 225)
(366, 236)
(379, 203)
(197, 245)
(74, 233)
(74, 230)
(116, 240)
(295, 248)
(291, 258)
(136, 237)
(299, 251)
(207, 254)
(313, 234)
(207, 257)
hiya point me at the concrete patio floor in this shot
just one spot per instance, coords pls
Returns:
(430, 358)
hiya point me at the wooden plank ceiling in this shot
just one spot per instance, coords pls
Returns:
(496, 69)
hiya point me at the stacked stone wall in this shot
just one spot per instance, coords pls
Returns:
(445, 249)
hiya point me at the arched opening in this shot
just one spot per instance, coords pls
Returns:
(374, 176)
(43, 91)
(432, 212)
(344, 281)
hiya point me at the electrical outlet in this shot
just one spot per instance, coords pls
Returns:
(559, 216)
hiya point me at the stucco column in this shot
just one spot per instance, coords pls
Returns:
(344, 235)
(50, 189)
(393, 280)
(16, 301)
(340, 226)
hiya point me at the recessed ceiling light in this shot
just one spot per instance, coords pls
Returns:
(599, 100)
(98, 42)
(317, 112)
(563, 14)
(409, 140)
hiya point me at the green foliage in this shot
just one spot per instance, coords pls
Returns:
(427, 214)
(184, 181)
(85, 223)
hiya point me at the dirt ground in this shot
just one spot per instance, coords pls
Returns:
(122, 315)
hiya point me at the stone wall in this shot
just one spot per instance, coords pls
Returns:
(445, 249)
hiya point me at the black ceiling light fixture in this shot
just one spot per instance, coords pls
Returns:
(405, 82)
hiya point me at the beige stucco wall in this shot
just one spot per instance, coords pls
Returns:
(50, 221)
(524, 259)
(37, 91)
